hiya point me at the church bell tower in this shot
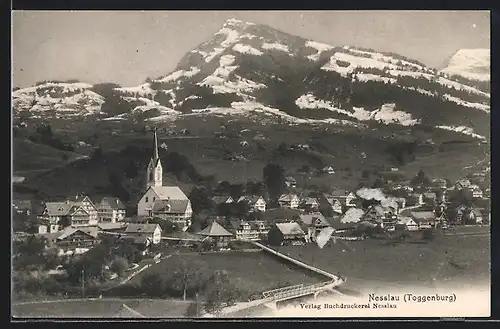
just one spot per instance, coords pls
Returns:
(155, 170)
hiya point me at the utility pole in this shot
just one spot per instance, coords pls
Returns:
(197, 306)
(83, 283)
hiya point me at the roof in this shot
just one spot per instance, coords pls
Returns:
(463, 182)
(477, 212)
(184, 236)
(169, 192)
(139, 228)
(290, 179)
(404, 220)
(314, 218)
(111, 226)
(215, 229)
(68, 231)
(287, 197)
(221, 198)
(58, 208)
(423, 215)
(80, 198)
(378, 209)
(309, 200)
(290, 228)
(251, 199)
(171, 206)
(112, 202)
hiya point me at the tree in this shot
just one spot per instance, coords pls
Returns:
(187, 274)
(274, 178)
(28, 254)
(223, 188)
(152, 284)
(219, 292)
(200, 199)
(119, 265)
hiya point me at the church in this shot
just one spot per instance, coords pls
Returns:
(166, 202)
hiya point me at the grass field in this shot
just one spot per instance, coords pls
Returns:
(375, 263)
(252, 272)
(99, 308)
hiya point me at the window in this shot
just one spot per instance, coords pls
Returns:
(154, 199)
(146, 199)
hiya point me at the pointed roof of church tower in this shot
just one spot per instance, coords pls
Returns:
(156, 157)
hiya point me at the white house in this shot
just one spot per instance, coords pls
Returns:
(289, 201)
(150, 232)
(408, 222)
(477, 193)
(176, 211)
(219, 199)
(328, 170)
(110, 210)
(88, 206)
(255, 202)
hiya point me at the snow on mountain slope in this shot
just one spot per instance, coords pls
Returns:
(463, 130)
(62, 98)
(249, 68)
(386, 114)
(470, 63)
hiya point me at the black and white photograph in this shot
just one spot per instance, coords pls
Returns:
(250, 164)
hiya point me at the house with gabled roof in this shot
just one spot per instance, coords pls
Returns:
(407, 223)
(424, 219)
(220, 199)
(218, 234)
(57, 215)
(289, 200)
(334, 203)
(255, 202)
(144, 233)
(308, 203)
(111, 210)
(313, 224)
(290, 182)
(178, 212)
(73, 240)
(347, 198)
(286, 234)
(85, 203)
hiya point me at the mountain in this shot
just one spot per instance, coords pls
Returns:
(473, 64)
(258, 72)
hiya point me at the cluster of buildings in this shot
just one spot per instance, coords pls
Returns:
(75, 224)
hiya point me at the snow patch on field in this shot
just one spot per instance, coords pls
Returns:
(459, 86)
(479, 106)
(386, 114)
(320, 47)
(180, 73)
(463, 130)
(354, 62)
(141, 90)
(277, 46)
(470, 63)
(245, 49)
(413, 74)
(373, 77)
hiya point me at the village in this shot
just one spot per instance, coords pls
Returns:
(399, 211)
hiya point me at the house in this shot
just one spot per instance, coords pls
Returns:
(244, 230)
(477, 193)
(461, 184)
(334, 203)
(424, 219)
(175, 204)
(86, 204)
(255, 202)
(408, 223)
(72, 240)
(309, 203)
(57, 215)
(383, 216)
(290, 182)
(286, 233)
(439, 183)
(110, 210)
(328, 170)
(218, 233)
(347, 198)
(144, 233)
(313, 224)
(220, 199)
(178, 212)
(289, 201)
(429, 198)
(473, 216)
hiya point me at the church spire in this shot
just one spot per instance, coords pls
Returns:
(155, 151)
(155, 170)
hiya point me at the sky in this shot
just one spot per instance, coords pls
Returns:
(127, 47)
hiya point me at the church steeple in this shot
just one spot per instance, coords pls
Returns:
(155, 170)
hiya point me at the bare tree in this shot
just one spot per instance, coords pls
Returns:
(187, 274)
